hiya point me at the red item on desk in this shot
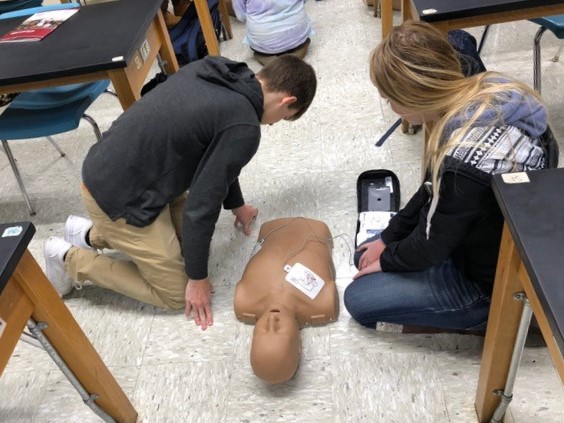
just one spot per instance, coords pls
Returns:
(38, 26)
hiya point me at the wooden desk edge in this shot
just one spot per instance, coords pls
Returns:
(15, 309)
(503, 324)
(547, 333)
(486, 19)
(206, 23)
(127, 81)
(68, 339)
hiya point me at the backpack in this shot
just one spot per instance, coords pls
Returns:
(187, 36)
(188, 40)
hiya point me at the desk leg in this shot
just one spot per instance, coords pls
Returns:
(406, 13)
(129, 81)
(553, 348)
(166, 50)
(70, 342)
(225, 20)
(15, 309)
(207, 27)
(503, 323)
(126, 94)
(386, 16)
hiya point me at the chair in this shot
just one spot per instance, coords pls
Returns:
(555, 24)
(48, 111)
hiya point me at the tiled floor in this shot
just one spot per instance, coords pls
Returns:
(174, 372)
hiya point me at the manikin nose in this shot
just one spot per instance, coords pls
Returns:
(273, 319)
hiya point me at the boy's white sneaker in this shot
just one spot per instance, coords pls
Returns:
(76, 230)
(54, 252)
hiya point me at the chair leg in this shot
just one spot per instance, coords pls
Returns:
(107, 91)
(162, 64)
(54, 144)
(537, 59)
(225, 18)
(12, 161)
(556, 57)
(483, 39)
(95, 127)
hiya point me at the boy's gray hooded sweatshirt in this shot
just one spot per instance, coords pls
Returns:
(193, 132)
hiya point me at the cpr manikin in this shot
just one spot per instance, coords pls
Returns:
(288, 283)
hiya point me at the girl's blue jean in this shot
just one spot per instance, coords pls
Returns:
(439, 297)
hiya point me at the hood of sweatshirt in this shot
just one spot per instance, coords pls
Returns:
(514, 108)
(234, 75)
(513, 124)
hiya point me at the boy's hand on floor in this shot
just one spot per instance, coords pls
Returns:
(198, 305)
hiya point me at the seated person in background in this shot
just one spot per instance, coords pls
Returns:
(274, 27)
(434, 265)
(288, 283)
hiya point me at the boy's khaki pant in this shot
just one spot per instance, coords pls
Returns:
(155, 274)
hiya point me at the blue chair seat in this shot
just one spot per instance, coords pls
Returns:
(18, 123)
(554, 24)
(47, 111)
(46, 98)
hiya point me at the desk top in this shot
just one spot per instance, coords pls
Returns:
(534, 213)
(14, 239)
(99, 37)
(454, 9)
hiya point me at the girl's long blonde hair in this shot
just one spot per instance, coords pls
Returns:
(416, 67)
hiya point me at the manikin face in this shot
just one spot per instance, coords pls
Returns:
(276, 348)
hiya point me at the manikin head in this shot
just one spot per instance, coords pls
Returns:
(276, 348)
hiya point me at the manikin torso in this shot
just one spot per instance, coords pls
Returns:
(263, 287)
(277, 308)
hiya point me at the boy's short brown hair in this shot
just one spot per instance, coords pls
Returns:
(291, 75)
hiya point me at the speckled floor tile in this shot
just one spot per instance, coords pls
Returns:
(184, 392)
(385, 387)
(305, 398)
(21, 394)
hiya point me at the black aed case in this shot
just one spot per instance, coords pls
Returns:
(378, 190)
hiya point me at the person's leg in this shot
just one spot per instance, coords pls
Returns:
(154, 275)
(299, 51)
(437, 297)
(263, 58)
